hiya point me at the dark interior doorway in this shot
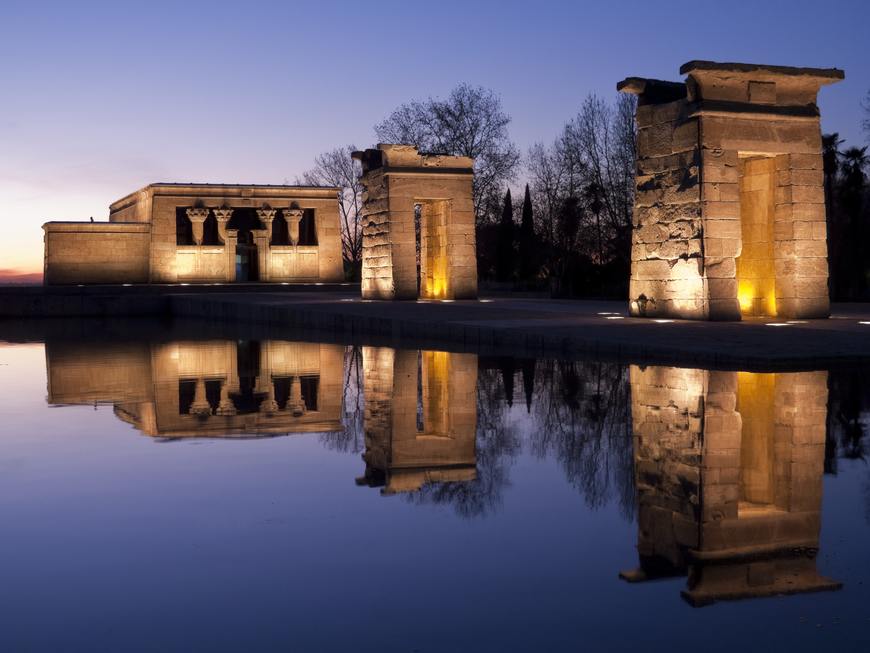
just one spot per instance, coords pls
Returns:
(246, 259)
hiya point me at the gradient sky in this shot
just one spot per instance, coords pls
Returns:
(100, 99)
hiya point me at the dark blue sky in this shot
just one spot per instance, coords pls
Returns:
(102, 98)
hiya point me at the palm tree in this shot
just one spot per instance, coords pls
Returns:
(851, 205)
(831, 165)
(855, 160)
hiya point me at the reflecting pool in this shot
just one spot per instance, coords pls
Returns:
(227, 493)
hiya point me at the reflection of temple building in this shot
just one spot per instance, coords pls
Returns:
(729, 478)
(420, 418)
(209, 388)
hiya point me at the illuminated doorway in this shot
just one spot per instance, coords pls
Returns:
(430, 226)
(756, 275)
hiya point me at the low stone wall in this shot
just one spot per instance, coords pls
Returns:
(294, 263)
(96, 252)
(204, 263)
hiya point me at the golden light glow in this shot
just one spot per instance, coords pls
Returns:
(745, 295)
(755, 398)
(434, 282)
(756, 276)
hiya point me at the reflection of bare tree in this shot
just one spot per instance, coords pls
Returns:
(583, 418)
(848, 408)
(351, 438)
(848, 404)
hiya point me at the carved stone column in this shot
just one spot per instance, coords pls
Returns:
(232, 237)
(266, 216)
(264, 383)
(295, 404)
(223, 217)
(293, 218)
(226, 406)
(200, 406)
(197, 218)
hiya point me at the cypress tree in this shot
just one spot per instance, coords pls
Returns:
(505, 252)
(527, 239)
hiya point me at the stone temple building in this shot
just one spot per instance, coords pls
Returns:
(728, 469)
(217, 388)
(418, 225)
(203, 233)
(729, 216)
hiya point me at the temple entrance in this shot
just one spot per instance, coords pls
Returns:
(430, 229)
(756, 275)
(246, 260)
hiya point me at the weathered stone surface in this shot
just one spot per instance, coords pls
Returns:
(728, 470)
(695, 200)
(398, 182)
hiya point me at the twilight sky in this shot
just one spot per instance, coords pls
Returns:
(100, 99)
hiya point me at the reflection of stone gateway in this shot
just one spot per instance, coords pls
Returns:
(205, 389)
(729, 215)
(420, 418)
(729, 478)
(201, 233)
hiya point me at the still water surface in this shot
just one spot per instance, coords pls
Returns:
(274, 495)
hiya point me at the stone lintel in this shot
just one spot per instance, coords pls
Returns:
(652, 91)
(750, 110)
(761, 71)
(97, 227)
(399, 157)
(223, 192)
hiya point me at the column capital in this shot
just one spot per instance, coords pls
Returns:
(293, 218)
(266, 215)
(223, 215)
(197, 215)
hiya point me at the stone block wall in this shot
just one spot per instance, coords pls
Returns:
(96, 252)
(667, 272)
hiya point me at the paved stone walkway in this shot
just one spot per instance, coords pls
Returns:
(525, 326)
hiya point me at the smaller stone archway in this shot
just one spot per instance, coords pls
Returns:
(418, 225)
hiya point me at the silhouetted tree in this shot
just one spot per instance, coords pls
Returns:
(527, 239)
(852, 205)
(336, 168)
(588, 172)
(866, 122)
(470, 122)
(505, 256)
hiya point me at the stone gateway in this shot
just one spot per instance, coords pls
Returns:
(418, 225)
(729, 218)
(203, 233)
